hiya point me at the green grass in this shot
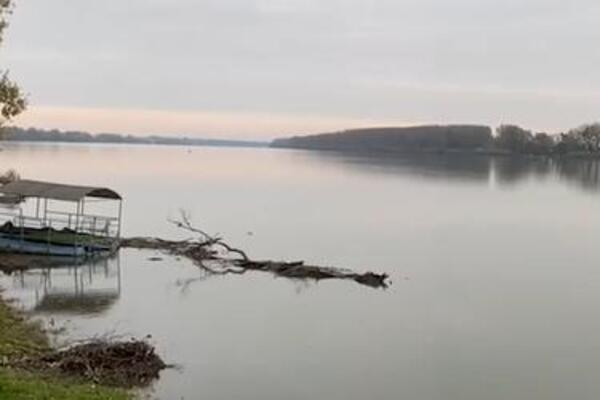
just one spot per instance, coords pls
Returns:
(18, 338)
(24, 386)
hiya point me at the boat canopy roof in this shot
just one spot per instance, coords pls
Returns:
(56, 191)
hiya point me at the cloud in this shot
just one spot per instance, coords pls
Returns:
(376, 60)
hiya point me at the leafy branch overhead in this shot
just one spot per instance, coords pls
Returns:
(5, 9)
(12, 99)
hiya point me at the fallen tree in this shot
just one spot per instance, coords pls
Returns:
(215, 256)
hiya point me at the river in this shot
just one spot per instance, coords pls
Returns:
(493, 262)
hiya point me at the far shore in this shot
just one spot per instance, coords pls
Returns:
(448, 151)
(373, 152)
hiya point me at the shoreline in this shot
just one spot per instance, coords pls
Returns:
(490, 153)
(382, 152)
(20, 337)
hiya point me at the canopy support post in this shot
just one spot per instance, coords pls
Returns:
(120, 216)
(45, 211)
(78, 223)
(77, 216)
(83, 213)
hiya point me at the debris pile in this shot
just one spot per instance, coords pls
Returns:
(131, 363)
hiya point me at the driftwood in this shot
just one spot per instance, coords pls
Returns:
(131, 363)
(215, 256)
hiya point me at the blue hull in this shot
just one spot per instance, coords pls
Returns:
(16, 245)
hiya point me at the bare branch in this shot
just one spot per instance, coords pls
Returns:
(205, 255)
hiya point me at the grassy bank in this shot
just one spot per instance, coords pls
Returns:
(18, 338)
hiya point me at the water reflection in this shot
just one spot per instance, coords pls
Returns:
(498, 295)
(68, 288)
(433, 166)
(584, 173)
(503, 171)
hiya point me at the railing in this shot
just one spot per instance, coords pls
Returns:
(90, 224)
(97, 225)
(86, 229)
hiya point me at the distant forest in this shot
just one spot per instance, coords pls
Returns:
(508, 139)
(41, 135)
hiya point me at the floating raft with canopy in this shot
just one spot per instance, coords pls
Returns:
(59, 220)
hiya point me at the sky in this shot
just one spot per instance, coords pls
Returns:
(258, 69)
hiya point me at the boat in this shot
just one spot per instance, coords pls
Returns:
(54, 219)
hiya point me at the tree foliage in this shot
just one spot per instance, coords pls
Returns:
(583, 140)
(5, 7)
(513, 138)
(12, 99)
(509, 139)
(417, 138)
(541, 143)
(588, 136)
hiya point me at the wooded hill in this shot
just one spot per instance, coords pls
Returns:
(583, 141)
(434, 137)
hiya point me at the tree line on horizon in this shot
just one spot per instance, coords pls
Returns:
(508, 139)
(584, 139)
(16, 134)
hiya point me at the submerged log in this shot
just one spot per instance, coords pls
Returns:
(300, 271)
(215, 256)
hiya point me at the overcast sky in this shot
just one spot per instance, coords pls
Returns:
(265, 68)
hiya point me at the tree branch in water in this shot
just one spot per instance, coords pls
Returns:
(215, 256)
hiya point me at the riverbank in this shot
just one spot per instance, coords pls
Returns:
(483, 152)
(19, 338)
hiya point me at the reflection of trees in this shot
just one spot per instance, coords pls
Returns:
(76, 303)
(512, 170)
(427, 165)
(584, 173)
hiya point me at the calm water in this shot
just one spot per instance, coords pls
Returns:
(495, 269)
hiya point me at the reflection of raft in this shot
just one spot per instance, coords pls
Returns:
(64, 285)
(94, 302)
(57, 233)
(18, 262)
